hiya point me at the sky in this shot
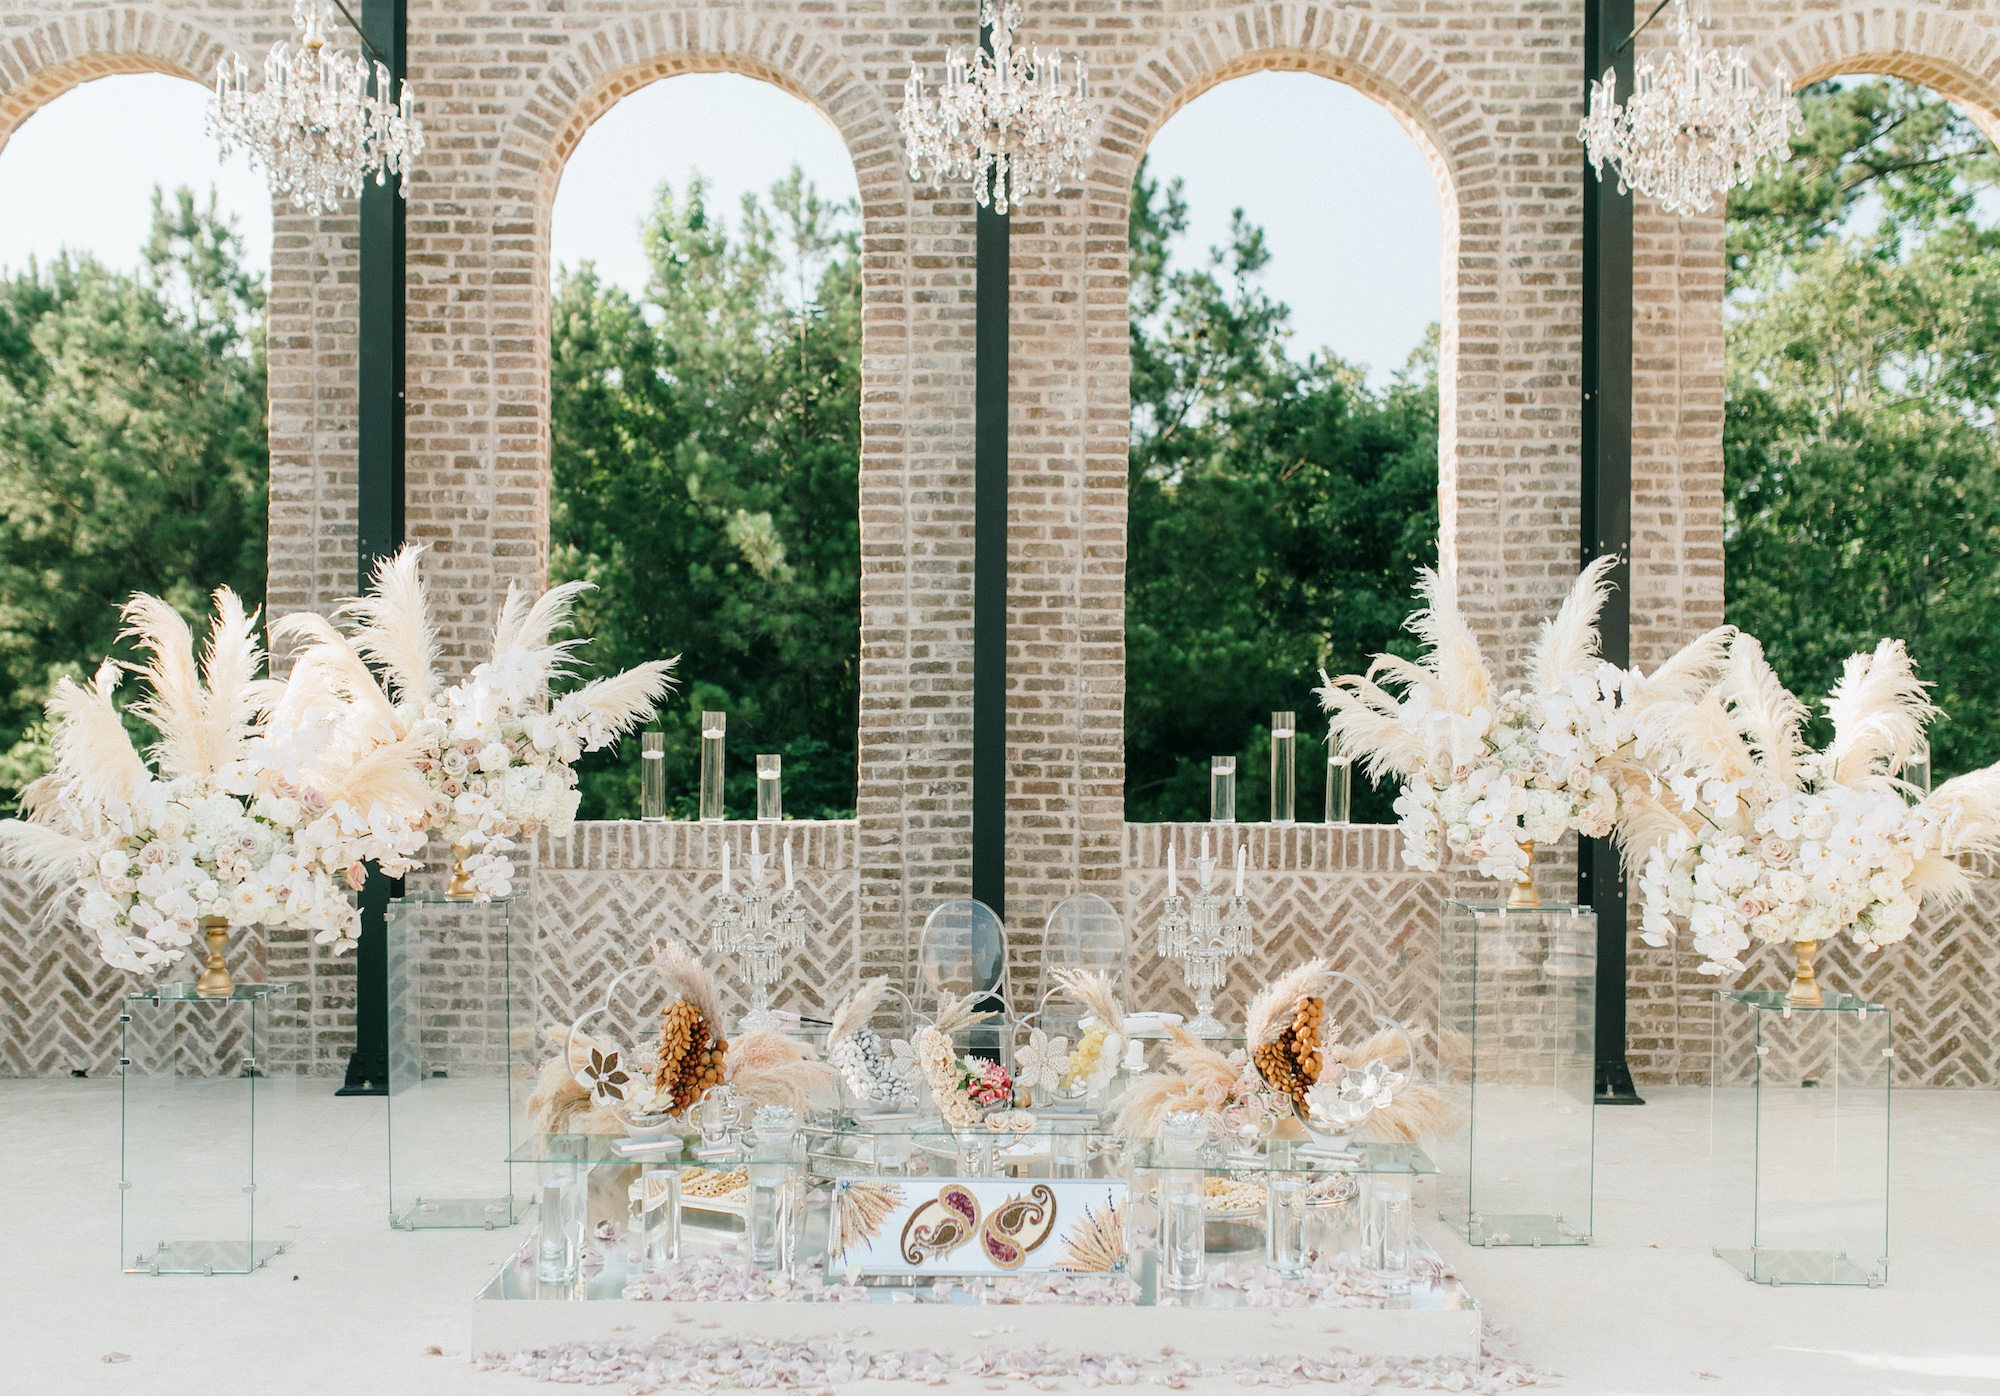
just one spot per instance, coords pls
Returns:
(1344, 195)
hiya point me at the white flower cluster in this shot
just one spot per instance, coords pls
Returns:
(258, 852)
(1496, 780)
(1785, 865)
(499, 768)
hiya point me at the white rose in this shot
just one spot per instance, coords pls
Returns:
(494, 756)
(1789, 886)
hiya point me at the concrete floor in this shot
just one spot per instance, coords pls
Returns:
(350, 1306)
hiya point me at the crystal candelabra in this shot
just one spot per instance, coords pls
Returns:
(1697, 124)
(760, 926)
(1204, 932)
(1004, 119)
(322, 122)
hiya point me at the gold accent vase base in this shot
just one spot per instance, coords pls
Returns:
(216, 982)
(1524, 897)
(459, 889)
(1804, 992)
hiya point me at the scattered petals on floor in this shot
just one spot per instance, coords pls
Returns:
(810, 1365)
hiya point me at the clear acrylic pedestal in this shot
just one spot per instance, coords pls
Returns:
(1799, 1152)
(458, 1001)
(189, 1078)
(1517, 1055)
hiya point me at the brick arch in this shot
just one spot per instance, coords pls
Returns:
(1944, 52)
(43, 64)
(1403, 76)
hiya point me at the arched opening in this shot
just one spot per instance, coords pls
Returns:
(1861, 472)
(133, 384)
(705, 353)
(1287, 298)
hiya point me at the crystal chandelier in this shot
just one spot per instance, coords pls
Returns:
(1002, 120)
(321, 123)
(1695, 126)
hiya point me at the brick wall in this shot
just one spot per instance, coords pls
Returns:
(1491, 94)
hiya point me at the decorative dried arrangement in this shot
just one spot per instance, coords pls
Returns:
(1284, 1026)
(963, 1089)
(1095, 1061)
(875, 1072)
(693, 1052)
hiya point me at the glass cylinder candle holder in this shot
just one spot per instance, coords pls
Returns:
(559, 1223)
(1284, 768)
(712, 727)
(1385, 1222)
(1183, 1203)
(1339, 789)
(1917, 767)
(1222, 790)
(653, 1228)
(770, 792)
(653, 777)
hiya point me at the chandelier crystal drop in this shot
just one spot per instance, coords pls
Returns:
(1695, 127)
(1003, 120)
(321, 123)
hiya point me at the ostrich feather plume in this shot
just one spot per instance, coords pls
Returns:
(685, 975)
(1270, 1012)
(1567, 643)
(1879, 710)
(393, 629)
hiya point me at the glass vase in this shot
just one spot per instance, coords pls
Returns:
(712, 728)
(1284, 768)
(1339, 789)
(1385, 1236)
(559, 1223)
(653, 777)
(770, 792)
(1222, 790)
(1183, 1204)
(653, 1226)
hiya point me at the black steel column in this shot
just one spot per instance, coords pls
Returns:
(989, 561)
(379, 491)
(1607, 507)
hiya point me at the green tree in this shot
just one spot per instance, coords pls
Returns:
(134, 454)
(1862, 480)
(706, 475)
(1278, 511)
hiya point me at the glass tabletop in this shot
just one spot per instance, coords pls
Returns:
(1369, 1156)
(186, 993)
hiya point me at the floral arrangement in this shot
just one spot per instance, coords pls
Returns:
(494, 751)
(217, 830)
(962, 1088)
(1488, 772)
(1748, 835)
(878, 1074)
(1095, 1061)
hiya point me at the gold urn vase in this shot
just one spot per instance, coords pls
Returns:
(1804, 992)
(215, 982)
(459, 889)
(1524, 897)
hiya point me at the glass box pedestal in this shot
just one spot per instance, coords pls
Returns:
(459, 1080)
(1517, 1055)
(1799, 1151)
(189, 1078)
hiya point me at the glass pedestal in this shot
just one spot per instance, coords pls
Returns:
(1517, 1049)
(1799, 1151)
(461, 1060)
(189, 1081)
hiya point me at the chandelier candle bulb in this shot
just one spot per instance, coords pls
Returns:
(1284, 767)
(712, 727)
(653, 777)
(1170, 868)
(770, 794)
(788, 863)
(1242, 858)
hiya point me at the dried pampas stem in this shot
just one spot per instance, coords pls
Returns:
(1094, 991)
(687, 976)
(857, 1009)
(1270, 1012)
